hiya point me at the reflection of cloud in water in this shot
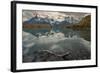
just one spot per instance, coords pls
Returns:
(28, 39)
(56, 43)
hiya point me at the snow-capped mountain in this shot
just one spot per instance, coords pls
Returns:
(51, 21)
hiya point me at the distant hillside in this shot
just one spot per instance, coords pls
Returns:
(37, 26)
(84, 23)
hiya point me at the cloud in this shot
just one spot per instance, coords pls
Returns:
(27, 14)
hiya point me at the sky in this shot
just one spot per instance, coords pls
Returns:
(27, 14)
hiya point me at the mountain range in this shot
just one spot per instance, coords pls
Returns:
(52, 22)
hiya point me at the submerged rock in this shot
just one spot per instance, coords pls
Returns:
(47, 55)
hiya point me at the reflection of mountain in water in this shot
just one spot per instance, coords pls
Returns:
(54, 46)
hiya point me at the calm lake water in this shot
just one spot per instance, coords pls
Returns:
(84, 33)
